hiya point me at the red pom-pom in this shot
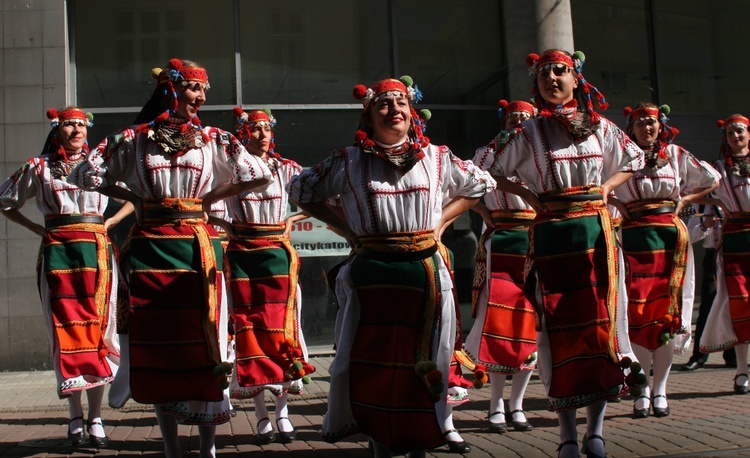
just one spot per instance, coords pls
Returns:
(360, 135)
(175, 63)
(162, 117)
(626, 111)
(531, 58)
(676, 322)
(720, 123)
(237, 112)
(359, 91)
(604, 106)
(51, 113)
(502, 103)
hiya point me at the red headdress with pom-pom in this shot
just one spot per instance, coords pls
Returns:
(656, 154)
(67, 115)
(404, 86)
(505, 109)
(556, 57)
(247, 120)
(722, 124)
(177, 76)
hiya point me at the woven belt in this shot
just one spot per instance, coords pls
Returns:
(170, 215)
(544, 198)
(251, 232)
(64, 220)
(652, 211)
(398, 257)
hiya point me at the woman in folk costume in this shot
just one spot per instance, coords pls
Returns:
(570, 158)
(270, 351)
(77, 276)
(173, 323)
(728, 322)
(503, 338)
(656, 244)
(395, 330)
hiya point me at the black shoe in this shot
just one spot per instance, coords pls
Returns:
(96, 441)
(498, 427)
(740, 389)
(519, 425)
(76, 439)
(456, 446)
(660, 412)
(585, 449)
(265, 438)
(571, 442)
(642, 413)
(286, 437)
(693, 364)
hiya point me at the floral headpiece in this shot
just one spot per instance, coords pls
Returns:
(68, 115)
(404, 85)
(173, 77)
(722, 124)
(554, 58)
(247, 120)
(505, 109)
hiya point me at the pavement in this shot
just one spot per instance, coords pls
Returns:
(707, 419)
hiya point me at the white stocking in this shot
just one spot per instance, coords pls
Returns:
(168, 428)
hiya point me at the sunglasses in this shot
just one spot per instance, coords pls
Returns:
(557, 69)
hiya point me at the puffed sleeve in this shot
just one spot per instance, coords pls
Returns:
(696, 174)
(621, 154)
(464, 178)
(233, 163)
(511, 155)
(19, 187)
(320, 182)
(109, 163)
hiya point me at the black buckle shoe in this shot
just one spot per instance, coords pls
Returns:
(519, 425)
(660, 412)
(456, 446)
(585, 448)
(76, 439)
(642, 413)
(286, 437)
(265, 438)
(498, 427)
(96, 441)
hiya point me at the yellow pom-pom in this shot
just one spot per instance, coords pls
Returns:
(155, 72)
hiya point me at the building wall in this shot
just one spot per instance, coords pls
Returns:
(33, 79)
